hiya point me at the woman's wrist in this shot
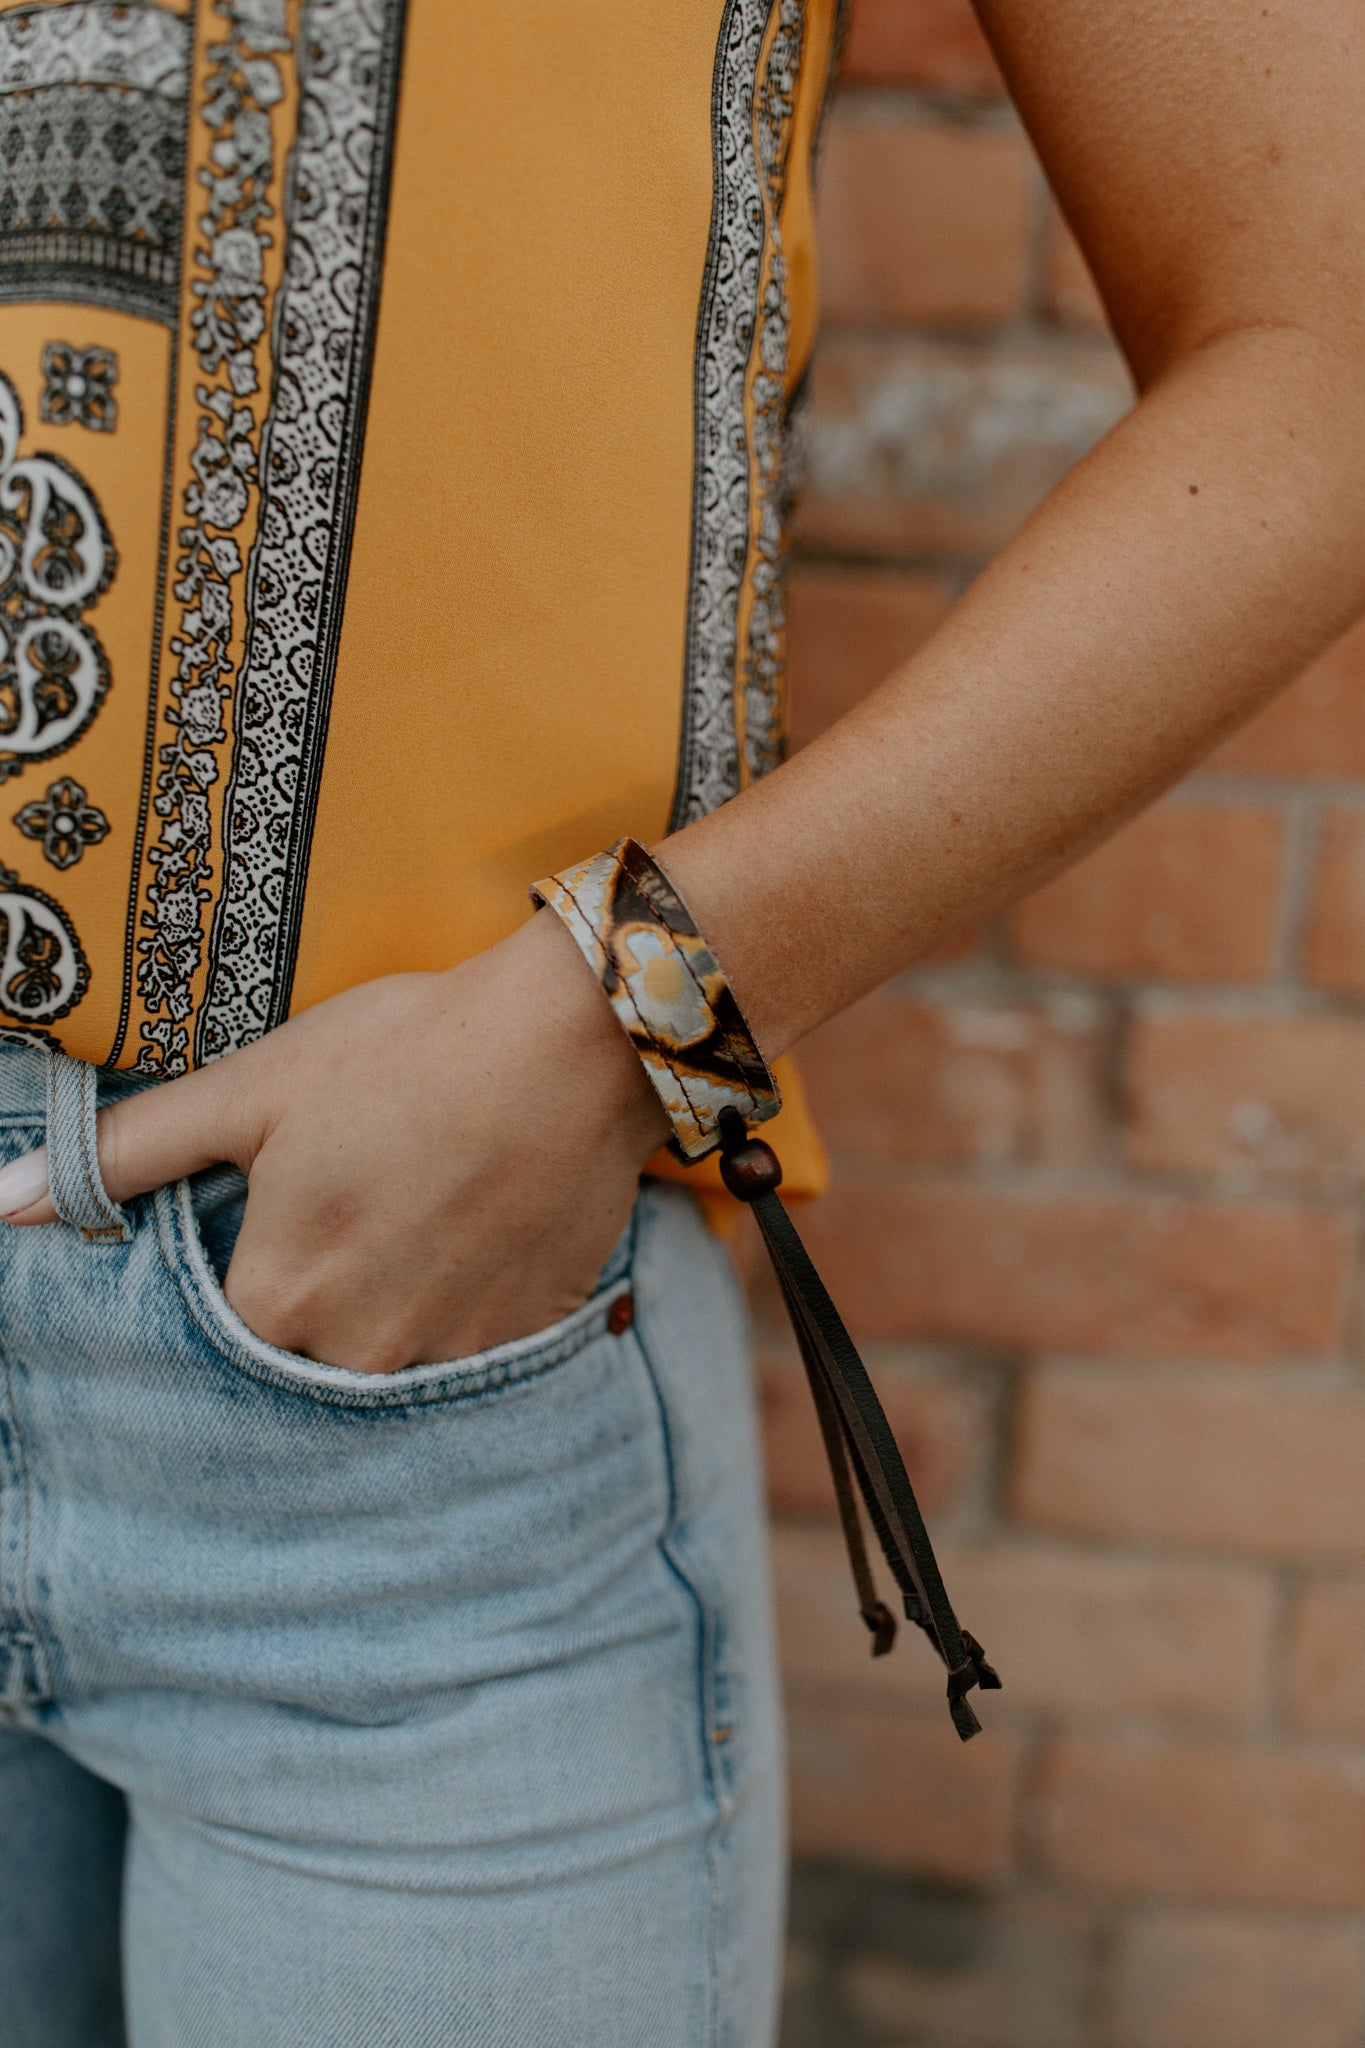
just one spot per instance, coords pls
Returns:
(667, 991)
(728, 871)
(608, 1088)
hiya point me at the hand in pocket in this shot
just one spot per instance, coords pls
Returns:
(437, 1162)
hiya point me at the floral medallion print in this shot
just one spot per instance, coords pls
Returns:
(43, 972)
(78, 387)
(65, 821)
(56, 561)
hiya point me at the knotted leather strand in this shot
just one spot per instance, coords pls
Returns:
(858, 1438)
(879, 1620)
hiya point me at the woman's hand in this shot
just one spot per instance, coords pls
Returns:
(437, 1162)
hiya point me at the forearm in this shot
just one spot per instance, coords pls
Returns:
(1196, 559)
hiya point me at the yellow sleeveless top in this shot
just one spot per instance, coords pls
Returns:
(393, 424)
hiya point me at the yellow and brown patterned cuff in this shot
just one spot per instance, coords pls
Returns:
(667, 989)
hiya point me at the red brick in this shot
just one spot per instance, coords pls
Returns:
(1314, 727)
(918, 448)
(1277, 1097)
(848, 629)
(823, 1642)
(1121, 1274)
(1334, 949)
(1186, 893)
(934, 43)
(1204, 1463)
(922, 224)
(999, 1084)
(1071, 295)
(1325, 1677)
(935, 1415)
(1023, 1979)
(1073, 1635)
(1241, 1824)
(1204, 1980)
(899, 1789)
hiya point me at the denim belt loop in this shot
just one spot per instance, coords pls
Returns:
(78, 1193)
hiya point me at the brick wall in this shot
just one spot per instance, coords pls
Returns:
(1097, 1179)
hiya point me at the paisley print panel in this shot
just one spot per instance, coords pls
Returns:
(194, 214)
(219, 168)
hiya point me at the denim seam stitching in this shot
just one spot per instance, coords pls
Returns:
(114, 1220)
(41, 1662)
(704, 1663)
(55, 1161)
(357, 1399)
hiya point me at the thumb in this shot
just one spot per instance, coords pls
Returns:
(156, 1136)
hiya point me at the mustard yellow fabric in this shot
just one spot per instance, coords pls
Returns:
(393, 440)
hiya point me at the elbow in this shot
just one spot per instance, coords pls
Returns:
(1321, 342)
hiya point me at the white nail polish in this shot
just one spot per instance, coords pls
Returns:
(24, 1181)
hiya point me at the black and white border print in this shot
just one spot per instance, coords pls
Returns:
(93, 99)
(323, 340)
(743, 315)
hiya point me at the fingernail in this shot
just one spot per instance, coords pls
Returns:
(24, 1181)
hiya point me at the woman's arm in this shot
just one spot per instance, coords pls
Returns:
(1212, 157)
(1193, 562)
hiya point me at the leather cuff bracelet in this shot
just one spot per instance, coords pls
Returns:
(667, 989)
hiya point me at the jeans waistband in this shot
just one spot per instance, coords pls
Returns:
(23, 1081)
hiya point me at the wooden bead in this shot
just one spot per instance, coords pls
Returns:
(621, 1314)
(751, 1169)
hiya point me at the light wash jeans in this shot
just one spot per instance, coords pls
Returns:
(372, 1713)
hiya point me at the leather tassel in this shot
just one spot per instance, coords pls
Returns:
(859, 1443)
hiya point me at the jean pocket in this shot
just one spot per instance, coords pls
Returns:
(18, 1135)
(184, 1253)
